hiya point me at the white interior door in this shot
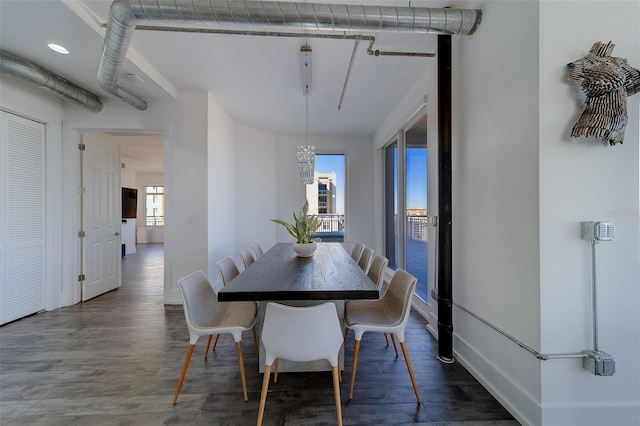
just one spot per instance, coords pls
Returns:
(101, 215)
(22, 217)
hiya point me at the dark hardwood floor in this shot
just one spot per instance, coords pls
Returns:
(116, 359)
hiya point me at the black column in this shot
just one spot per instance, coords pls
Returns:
(445, 294)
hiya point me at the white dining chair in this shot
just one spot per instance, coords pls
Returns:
(204, 316)
(227, 270)
(301, 334)
(257, 250)
(357, 252)
(365, 258)
(247, 258)
(387, 315)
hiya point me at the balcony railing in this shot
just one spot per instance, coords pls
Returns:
(155, 220)
(331, 222)
(417, 227)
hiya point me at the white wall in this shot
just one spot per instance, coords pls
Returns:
(221, 188)
(128, 174)
(41, 106)
(585, 180)
(495, 202)
(256, 194)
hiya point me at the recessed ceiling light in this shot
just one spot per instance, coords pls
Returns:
(58, 48)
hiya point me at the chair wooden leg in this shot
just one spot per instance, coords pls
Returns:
(263, 394)
(206, 351)
(275, 371)
(393, 340)
(346, 334)
(184, 372)
(356, 350)
(386, 339)
(255, 340)
(336, 391)
(242, 377)
(216, 342)
(406, 360)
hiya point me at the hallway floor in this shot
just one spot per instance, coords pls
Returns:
(116, 359)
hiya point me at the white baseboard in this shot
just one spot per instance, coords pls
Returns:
(528, 411)
(516, 400)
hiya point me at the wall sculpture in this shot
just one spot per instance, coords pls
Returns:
(606, 82)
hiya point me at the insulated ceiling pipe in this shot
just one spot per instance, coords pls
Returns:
(15, 67)
(126, 14)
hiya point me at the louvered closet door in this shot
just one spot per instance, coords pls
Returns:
(22, 217)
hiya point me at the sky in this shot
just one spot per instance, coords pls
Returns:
(416, 164)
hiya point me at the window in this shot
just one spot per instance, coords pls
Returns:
(405, 202)
(154, 205)
(326, 196)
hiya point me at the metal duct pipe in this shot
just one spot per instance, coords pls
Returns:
(126, 14)
(15, 67)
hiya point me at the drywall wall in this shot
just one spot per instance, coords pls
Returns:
(495, 202)
(221, 187)
(586, 180)
(255, 186)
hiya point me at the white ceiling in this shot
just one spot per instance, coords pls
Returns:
(256, 79)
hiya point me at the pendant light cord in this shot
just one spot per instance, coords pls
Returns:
(307, 121)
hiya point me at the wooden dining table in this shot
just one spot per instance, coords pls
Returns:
(281, 276)
(330, 274)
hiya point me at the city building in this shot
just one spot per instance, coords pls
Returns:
(321, 194)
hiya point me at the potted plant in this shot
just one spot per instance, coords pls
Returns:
(302, 229)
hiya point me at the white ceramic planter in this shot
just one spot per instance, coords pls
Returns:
(305, 249)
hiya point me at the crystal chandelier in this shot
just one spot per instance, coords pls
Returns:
(306, 157)
(306, 154)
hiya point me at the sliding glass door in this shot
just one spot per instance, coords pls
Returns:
(406, 210)
(416, 243)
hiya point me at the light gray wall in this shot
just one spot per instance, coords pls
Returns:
(495, 202)
(221, 186)
(255, 184)
(585, 180)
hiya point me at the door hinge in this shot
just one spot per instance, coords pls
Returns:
(81, 234)
(82, 146)
(81, 277)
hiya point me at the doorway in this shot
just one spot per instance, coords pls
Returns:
(139, 158)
